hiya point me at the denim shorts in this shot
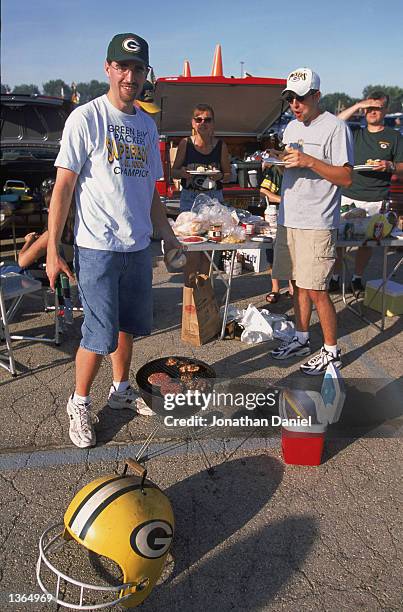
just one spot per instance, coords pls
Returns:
(116, 295)
(188, 197)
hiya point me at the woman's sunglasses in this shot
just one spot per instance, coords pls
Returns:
(203, 119)
(290, 97)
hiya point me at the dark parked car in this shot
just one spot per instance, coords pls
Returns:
(31, 130)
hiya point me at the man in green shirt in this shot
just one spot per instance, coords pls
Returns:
(382, 148)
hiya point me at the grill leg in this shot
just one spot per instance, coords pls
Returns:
(147, 443)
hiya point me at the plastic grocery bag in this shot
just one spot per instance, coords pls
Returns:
(254, 321)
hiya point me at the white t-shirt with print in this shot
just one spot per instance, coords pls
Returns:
(117, 159)
(309, 201)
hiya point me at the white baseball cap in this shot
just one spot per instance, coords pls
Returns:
(302, 80)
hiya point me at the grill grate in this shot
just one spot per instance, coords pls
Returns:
(159, 365)
(150, 394)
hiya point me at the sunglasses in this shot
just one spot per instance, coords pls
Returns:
(371, 109)
(203, 119)
(290, 97)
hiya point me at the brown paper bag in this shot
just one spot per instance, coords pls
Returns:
(200, 314)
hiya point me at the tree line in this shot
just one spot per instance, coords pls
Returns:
(336, 102)
(332, 102)
(59, 88)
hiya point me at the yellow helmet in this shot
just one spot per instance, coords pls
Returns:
(127, 519)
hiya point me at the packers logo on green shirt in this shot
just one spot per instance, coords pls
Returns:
(384, 144)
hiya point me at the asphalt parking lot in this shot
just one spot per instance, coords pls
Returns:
(254, 535)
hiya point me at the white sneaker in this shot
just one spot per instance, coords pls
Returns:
(128, 399)
(291, 348)
(318, 364)
(81, 429)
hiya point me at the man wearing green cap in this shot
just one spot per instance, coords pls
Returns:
(109, 157)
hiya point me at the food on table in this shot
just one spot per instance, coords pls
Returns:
(188, 224)
(372, 162)
(232, 239)
(159, 378)
(197, 227)
(171, 361)
(201, 168)
(193, 239)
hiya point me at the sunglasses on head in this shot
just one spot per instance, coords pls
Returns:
(291, 96)
(203, 119)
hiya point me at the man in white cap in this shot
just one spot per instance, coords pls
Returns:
(109, 157)
(318, 162)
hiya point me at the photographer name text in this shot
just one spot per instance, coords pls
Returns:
(242, 421)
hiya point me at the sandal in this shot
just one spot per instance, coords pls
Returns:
(273, 297)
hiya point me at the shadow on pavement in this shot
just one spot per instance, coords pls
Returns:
(208, 513)
(219, 505)
(246, 575)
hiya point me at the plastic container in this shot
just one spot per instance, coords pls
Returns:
(271, 215)
(393, 297)
(243, 168)
(237, 271)
(301, 444)
(302, 448)
(252, 177)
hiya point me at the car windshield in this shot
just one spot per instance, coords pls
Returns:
(12, 184)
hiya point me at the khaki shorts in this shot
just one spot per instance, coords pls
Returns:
(306, 256)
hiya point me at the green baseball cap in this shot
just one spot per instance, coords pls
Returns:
(128, 47)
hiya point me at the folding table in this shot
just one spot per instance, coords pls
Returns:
(209, 248)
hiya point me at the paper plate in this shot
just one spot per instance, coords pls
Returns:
(191, 239)
(204, 172)
(274, 161)
(261, 239)
(364, 167)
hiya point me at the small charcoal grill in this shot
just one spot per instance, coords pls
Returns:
(151, 394)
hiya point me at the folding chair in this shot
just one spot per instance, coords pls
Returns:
(13, 287)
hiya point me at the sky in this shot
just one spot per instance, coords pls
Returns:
(350, 44)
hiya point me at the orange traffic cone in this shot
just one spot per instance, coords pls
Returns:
(217, 69)
(186, 69)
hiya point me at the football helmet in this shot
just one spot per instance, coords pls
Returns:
(126, 519)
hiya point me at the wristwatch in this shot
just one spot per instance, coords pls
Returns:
(392, 167)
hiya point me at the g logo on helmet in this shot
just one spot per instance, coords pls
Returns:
(131, 45)
(152, 539)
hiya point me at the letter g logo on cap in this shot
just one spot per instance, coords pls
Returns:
(131, 45)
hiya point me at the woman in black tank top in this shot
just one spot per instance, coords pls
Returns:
(202, 149)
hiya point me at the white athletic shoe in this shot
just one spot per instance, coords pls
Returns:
(81, 429)
(128, 399)
(318, 363)
(291, 348)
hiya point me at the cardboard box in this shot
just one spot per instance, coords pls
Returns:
(393, 297)
(254, 259)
